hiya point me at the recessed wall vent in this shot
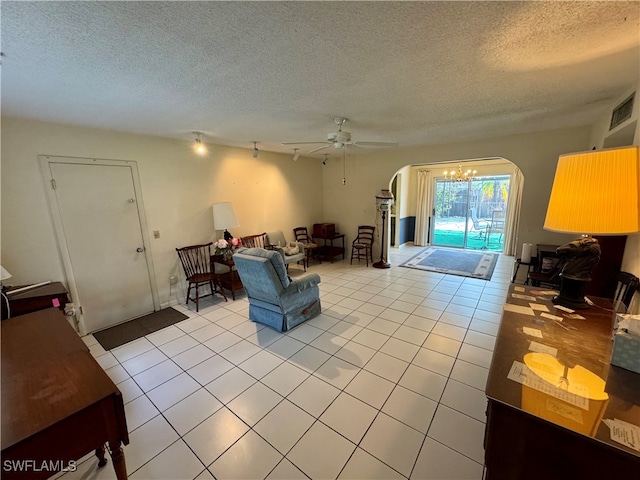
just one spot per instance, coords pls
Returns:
(622, 112)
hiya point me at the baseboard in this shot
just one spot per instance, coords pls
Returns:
(168, 304)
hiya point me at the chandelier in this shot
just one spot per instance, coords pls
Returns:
(459, 175)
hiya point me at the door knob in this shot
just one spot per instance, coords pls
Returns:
(139, 249)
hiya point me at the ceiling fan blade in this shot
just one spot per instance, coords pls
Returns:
(319, 148)
(299, 143)
(376, 144)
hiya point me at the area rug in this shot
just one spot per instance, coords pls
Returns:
(126, 332)
(455, 262)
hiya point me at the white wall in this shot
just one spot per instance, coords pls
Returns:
(178, 188)
(599, 134)
(535, 154)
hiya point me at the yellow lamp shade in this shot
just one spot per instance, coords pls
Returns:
(596, 193)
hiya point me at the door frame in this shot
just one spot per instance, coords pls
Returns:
(45, 161)
(394, 241)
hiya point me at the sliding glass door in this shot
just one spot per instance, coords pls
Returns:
(470, 214)
(449, 213)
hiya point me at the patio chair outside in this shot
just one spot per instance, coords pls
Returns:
(479, 226)
(496, 225)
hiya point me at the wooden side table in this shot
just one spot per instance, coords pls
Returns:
(229, 279)
(330, 251)
(53, 294)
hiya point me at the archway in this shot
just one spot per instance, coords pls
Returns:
(415, 202)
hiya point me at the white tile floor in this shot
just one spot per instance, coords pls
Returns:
(386, 383)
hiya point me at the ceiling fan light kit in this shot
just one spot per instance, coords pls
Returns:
(341, 139)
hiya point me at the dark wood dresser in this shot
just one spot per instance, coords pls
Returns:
(554, 401)
(53, 294)
(58, 404)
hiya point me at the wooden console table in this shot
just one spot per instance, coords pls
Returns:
(554, 421)
(329, 251)
(58, 404)
(229, 279)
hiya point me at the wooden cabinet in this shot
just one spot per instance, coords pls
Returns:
(553, 422)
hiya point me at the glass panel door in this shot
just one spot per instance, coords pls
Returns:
(492, 208)
(470, 214)
(450, 213)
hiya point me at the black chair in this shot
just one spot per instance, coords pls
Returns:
(546, 270)
(196, 262)
(627, 285)
(361, 246)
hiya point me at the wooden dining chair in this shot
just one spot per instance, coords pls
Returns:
(255, 241)
(196, 262)
(301, 234)
(361, 247)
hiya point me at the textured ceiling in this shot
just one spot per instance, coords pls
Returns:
(412, 72)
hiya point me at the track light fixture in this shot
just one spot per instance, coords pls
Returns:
(255, 150)
(199, 147)
(296, 154)
(326, 155)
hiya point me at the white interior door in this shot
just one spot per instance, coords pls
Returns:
(97, 211)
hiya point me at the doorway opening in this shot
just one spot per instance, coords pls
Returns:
(470, 214)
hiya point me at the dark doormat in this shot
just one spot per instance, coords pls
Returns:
(113, 337)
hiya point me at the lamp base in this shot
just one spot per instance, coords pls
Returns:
(227, 235)
(571, 294)
(381, 264)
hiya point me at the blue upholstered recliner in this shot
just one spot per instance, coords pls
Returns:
(274, 298)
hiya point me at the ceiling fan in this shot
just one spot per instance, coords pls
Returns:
(341, 139)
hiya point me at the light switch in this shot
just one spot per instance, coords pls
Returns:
(156, 234)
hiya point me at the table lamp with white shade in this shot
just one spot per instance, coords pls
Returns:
(4, 274)
(593, 193)
(224, 217)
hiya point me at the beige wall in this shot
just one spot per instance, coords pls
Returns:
(178, 187)
(270, 192)
(535, 154)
